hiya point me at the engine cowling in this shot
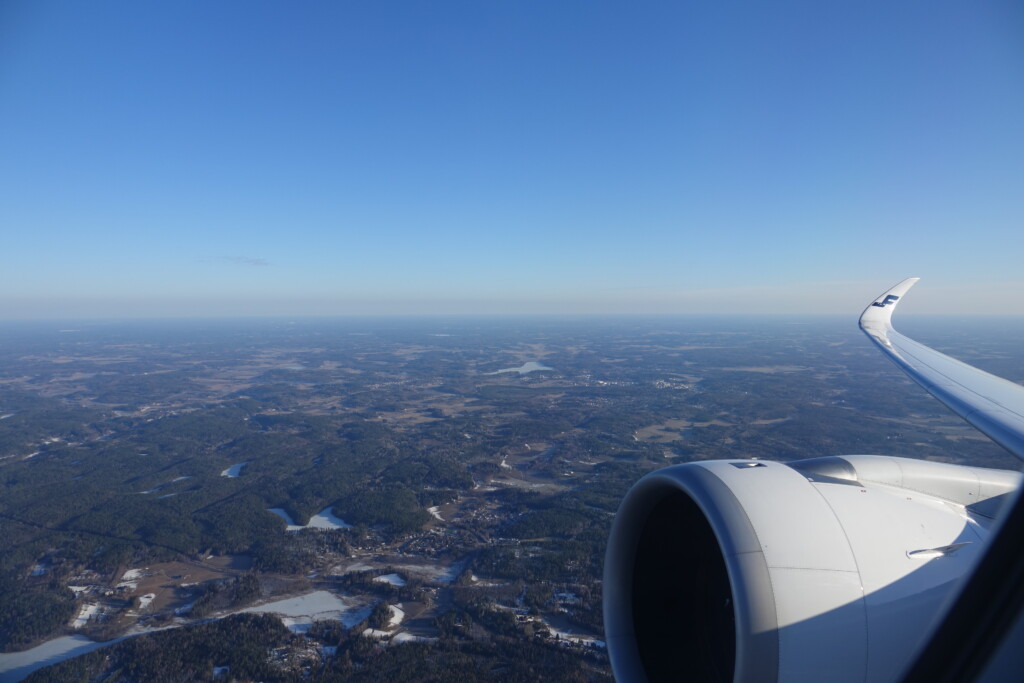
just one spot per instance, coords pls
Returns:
(829, 569)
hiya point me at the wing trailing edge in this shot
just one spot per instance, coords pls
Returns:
(992, 404)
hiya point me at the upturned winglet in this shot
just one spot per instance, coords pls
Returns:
(992, 404)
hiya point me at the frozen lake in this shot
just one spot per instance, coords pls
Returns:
(393, 579)
(531, 366)
(15, 666)
(299, 613)
(234, 470)
(324, 519)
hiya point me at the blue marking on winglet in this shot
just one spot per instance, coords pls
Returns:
(889, 299)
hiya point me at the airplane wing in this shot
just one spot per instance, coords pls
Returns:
(834, 568)
(992, 404)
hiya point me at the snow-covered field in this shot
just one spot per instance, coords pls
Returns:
(567, 633)
(130, 579)
(406, 637)
(234, 470)
(325, 519)
(299, 613)
(393, 579)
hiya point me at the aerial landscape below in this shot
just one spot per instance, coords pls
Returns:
(351, 494)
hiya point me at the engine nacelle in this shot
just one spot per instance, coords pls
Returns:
(826, 569)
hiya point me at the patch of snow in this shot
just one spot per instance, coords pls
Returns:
(31, 455)
(434, 513)
(78, 590)
(374, 633)
(87, 611)
(393, 579)
(181, 478)
(219, 671)
(166, 495)
(480, 582)
(183, 609)
(505, 464)
(234, 470)
(4, 417)
(145, 600)
(569, 636)
(40, 569)
(406, 637)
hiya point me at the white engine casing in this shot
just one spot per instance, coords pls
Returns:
(825, 569)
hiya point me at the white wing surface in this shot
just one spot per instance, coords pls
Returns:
(992, 404)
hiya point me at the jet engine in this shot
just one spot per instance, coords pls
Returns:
(824, 569)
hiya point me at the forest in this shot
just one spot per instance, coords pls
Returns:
(116, 449)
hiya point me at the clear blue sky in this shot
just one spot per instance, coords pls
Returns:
(212, 158)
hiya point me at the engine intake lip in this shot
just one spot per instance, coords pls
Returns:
(680, 547)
